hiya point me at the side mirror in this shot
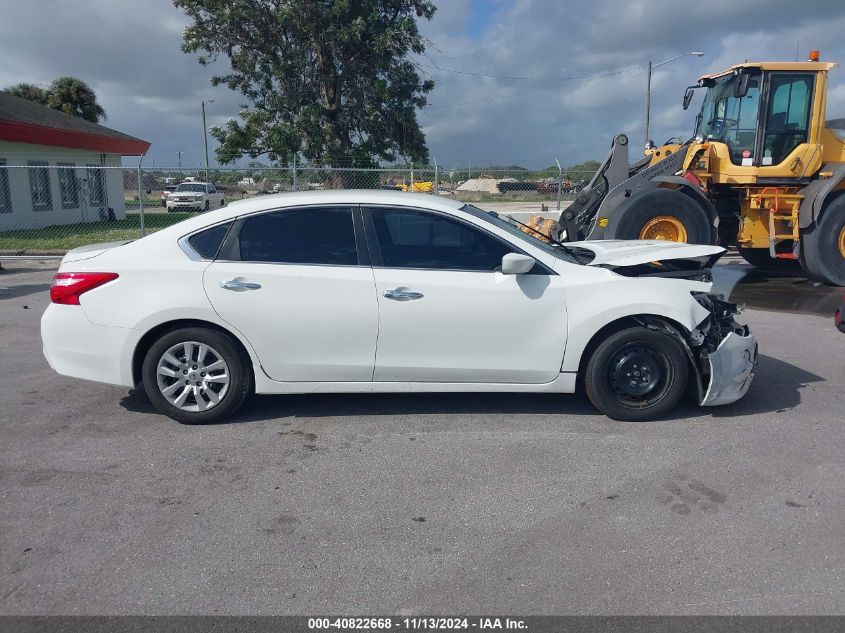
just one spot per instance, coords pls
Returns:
(742, 86)
(516, 264)
(688, 97)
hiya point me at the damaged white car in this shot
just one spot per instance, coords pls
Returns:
(377, 291)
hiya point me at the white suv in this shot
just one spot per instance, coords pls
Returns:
(199, 196)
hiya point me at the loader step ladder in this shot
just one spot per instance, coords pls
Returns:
(782, 210)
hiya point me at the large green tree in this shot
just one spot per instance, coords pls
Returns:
(329, 80)
(76, 98)
(67, 94)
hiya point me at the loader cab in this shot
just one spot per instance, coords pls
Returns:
(762, 116)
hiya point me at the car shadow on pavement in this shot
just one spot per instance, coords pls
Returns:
(18, 291)
(776, 388)
(266, 407)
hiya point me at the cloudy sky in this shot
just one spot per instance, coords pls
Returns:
(504, 69)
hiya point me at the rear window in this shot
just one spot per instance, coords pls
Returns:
(208, 242)
(317, 235)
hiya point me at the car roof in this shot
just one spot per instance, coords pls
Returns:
(273, 201)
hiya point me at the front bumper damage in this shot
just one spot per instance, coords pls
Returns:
(731, 369)
(725, 351)
(722, 353)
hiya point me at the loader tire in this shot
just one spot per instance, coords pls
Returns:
(663, 214)
(760, 258)
(823, 245)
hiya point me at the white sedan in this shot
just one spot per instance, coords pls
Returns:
(377, 291)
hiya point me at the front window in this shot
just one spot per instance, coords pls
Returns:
(416, 239)
(191, 187)
(730, 119)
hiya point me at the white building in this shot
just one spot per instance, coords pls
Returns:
(51, 167)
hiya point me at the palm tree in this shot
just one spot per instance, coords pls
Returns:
(30, 92)
(74, 97)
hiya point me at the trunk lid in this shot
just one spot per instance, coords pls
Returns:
(91, 250)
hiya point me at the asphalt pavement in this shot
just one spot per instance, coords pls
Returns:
(426, 503)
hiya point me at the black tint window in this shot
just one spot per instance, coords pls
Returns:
(413, 239)
(208, 242)
(300, 236)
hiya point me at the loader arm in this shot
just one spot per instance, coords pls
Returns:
(578, 218)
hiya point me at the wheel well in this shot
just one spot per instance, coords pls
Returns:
(634, 320)
(148, 339)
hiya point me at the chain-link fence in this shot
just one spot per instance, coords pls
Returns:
(49, 207)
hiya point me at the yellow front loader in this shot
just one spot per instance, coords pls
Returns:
(765, 170)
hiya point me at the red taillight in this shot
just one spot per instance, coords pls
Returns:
(67, 287)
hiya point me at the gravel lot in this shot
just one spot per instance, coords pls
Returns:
(427, 503)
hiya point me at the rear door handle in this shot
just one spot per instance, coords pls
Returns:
(238, 285)
(400, 294)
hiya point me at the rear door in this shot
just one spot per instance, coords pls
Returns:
(298, 284)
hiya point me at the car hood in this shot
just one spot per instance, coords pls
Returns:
(633, 252)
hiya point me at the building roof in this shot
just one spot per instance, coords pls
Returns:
(23, 121)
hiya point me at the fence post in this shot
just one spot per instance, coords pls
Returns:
(412, 178)
(294, 172)
(559, 182)
(141, 197)
(436, 178)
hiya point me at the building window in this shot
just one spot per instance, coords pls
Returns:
(96, 186)
(5, 194)
(39, 185)
(68, 186)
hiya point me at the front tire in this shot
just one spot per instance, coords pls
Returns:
(823, 245)
(636, 374)
(663, 214)
(196, 375)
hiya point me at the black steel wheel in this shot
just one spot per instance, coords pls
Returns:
(637, 374)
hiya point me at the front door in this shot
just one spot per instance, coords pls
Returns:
(447, 314)
(785, 141)
(292, 282)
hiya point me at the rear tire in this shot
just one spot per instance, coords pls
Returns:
(657, 213)
(636, 374)
(211, 376)
(823, 245)
(760, 258)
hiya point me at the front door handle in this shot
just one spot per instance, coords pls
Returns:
(400, 294)
(238, 285)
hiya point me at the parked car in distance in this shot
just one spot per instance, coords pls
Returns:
(839, 316)
(166, 190)
(194, 196)
(380, 291)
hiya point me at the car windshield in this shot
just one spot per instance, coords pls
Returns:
(731, 119)
(503, 222)
(191, 186)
